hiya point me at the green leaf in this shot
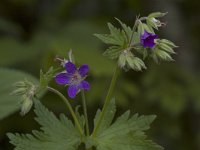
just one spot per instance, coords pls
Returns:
(116, 36)
(126, 29)
(109, 115)
(108, 39)
(56, 134)
(125, 133)
(113, 52)
(10, 103)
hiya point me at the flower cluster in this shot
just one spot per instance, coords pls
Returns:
(127, 45)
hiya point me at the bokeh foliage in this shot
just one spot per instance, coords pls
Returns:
(32, 32)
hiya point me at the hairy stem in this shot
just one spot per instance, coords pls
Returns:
(134, 28)
(69, 107)
(107, 100)
(85, 113)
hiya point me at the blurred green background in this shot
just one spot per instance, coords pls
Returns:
(33, 32)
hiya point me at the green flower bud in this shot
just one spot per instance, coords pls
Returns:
(156, 22)
(19, 91)
(156, 14)
(128, 61)
(27, 91)
(26, 104)
(122, 60)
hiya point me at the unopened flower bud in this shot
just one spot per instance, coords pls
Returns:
(27, 91)
(63, 61)
(122, 60)
(20, 84)
(19, 91)
(26, 105)
(157, 22)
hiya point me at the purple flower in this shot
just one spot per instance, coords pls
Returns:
(74, 77)
(148, 39)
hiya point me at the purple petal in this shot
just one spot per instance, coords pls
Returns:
(72, 91)
(142, 41)
(70, 67)
(84, 85)
(149, 44)
(83, 70)
(155, 36)
(63, 78)
(148, 39)
(145, 35)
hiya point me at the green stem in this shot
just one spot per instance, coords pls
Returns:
(134, 28)
(107, 101)
(85, 112)
(113, 83)
(69, 107)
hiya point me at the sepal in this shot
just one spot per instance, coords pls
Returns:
(128, 61)
(157, 14)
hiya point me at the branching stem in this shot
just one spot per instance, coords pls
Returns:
(113, 81)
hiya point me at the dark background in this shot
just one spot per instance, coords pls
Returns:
(32, 32)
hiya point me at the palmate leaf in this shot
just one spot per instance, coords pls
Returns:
(113, 52)
(126, 133)
(116, 36)
(118, 39)
(127, 29)
(56, 134)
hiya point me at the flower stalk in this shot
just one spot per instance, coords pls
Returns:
(65, 100)
(85, 113)
(107, 100)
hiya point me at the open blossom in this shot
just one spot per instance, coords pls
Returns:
(148, 39)
(74, 77)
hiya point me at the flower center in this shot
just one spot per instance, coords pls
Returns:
(76, 78)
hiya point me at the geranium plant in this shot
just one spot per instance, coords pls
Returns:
(129, 47)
